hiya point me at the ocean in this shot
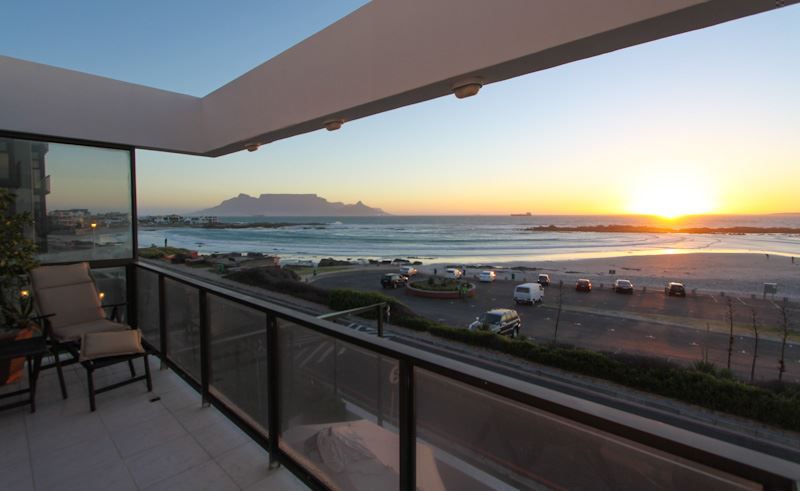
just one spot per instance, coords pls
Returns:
(473, 239)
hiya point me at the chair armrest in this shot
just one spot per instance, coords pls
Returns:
(42, 317)
(114, 305)
(44, 321)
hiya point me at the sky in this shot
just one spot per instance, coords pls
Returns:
(703, 122)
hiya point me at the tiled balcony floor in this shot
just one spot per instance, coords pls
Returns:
(130, 442)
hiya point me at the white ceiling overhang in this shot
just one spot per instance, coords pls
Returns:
(386, 55)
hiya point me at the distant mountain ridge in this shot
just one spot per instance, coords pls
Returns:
(288, 205)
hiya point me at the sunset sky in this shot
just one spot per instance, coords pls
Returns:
(704, 122)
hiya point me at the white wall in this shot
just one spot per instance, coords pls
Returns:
(385, 55)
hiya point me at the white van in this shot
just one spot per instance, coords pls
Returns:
(408, 271)
(529, 293)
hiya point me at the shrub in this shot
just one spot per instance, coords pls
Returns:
(716, 391)
(281, 281)
(154, 252)
(704, 366)
(701, 384)
(443, 285)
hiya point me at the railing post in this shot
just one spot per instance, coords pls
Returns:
(162, 321)
(379, 390)
(273, 406)
(380, 319)
(205, 360)
(132, 295)
(407, 427)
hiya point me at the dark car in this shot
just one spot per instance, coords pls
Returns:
(675, 289)
(393, 280)
(498, 321)
(583, 285)
(623, 286)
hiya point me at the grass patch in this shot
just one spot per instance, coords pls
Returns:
(434, 284)
(160, 252)
(282, 281)
(306, 270)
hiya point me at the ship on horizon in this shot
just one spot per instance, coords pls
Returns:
(526, 214)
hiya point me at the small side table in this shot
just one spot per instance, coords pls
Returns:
(32, 349)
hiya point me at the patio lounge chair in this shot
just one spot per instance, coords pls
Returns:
(78, 326)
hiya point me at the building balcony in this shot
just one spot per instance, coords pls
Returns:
(253, 395)
(165, 439)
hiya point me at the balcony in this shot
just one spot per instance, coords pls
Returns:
(254, 391)
(163, 439)
(253, 395)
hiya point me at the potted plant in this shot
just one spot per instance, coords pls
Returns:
(17, 259)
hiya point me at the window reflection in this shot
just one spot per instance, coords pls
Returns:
(79, 197)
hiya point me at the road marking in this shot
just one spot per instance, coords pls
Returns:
(775, 305)
(649, 336)
(693, 344)
(742, 301)
(712, 297)
(611, 329)
(577, 323)
(303, 363)
(325, 354)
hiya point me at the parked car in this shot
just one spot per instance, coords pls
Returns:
(453, 273)
(544, 279)
(675, 289)
(583, 285)
(408, 271)
(499, 321)
(529, 293)
(393, 280)
(623, 286)
(487, 276)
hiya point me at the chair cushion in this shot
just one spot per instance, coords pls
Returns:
(61, 275)
(74, 332)
(68, 292)
(103, 344)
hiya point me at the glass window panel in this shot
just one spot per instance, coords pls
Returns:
(79, 196)
(111, 284)
(182, 305)
(338, 409)
(471, 439)
(147, 305)
(238, 349)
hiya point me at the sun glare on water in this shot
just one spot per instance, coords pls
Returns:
(671, 195)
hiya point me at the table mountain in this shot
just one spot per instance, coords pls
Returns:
(285, 205)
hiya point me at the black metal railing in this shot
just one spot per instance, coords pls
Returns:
(342, 409)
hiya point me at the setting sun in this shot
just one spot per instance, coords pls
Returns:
(671, 194)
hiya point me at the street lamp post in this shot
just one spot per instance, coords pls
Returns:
(94, 227)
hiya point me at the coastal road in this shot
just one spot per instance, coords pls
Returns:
(645, 323)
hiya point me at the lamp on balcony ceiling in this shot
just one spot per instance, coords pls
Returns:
(467, 88)
(334, 124)
(252, 147)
